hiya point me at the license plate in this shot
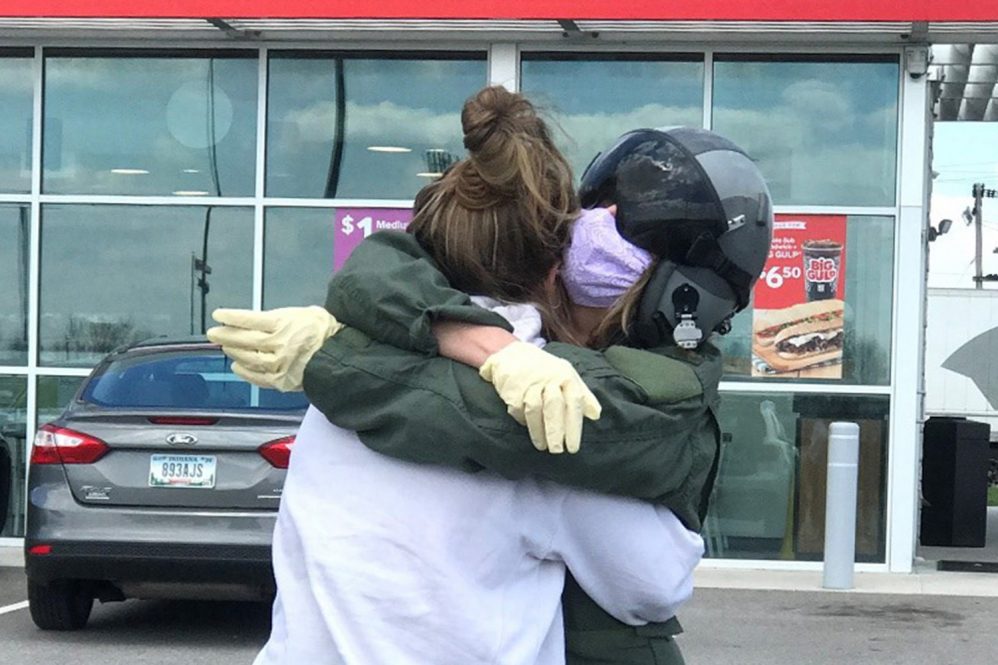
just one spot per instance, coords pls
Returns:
(182, 471)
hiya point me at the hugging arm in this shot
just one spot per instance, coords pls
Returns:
(390, 289)
(436, 411)
(656, 420)
(636, 580)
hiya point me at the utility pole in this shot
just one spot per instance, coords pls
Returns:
(980, 193)
(978, 235)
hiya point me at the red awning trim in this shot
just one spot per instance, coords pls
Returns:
(652, 10)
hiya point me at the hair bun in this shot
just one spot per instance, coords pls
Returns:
(497, 222)
(505, 139)
(494, 110)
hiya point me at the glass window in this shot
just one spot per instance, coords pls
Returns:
(54, 395)
(594, 99)
(15, 231)
(142, 124)
(769, 497)
(298, 256)
(16, 100)
(13, 452)
(116, 274)
(823, 130)
(201, 379)
(344, 126)
(866, 323)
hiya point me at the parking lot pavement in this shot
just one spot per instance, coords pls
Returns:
(136, 631)
(11, 586)
(723, 626)
(143, 632)
(820, 628)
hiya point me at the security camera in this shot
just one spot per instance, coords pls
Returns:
(916, 61)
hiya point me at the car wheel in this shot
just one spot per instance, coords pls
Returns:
(60, 605)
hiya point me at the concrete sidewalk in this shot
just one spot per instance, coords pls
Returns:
(924, 581)
(11, 556)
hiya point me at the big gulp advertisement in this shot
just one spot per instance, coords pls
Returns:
(797, 324)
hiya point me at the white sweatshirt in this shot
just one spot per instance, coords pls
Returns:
(385, 562)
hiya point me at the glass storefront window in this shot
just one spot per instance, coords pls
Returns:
(593, 99)
(376, 125)
(769, 497)
(15, 231)
(16, 100)
(116, 274)
(13, 452)
(297, 256)
(345, 126)
(135, 123)
(869, 291)
(823, 129)
(54, 395)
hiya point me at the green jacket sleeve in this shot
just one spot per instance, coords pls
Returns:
(391, 289)
(655, 439)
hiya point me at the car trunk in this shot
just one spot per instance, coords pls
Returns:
(209, 461)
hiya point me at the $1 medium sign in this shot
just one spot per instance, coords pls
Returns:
(354, 224)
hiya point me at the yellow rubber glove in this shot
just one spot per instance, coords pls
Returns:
(543, 392)
(270, 349)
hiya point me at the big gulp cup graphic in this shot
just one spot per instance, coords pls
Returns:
(821, 268)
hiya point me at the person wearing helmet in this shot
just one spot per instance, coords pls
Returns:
(657, 438)
(697, 201)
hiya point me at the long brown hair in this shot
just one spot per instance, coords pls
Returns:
(618, 318)
(498, 221)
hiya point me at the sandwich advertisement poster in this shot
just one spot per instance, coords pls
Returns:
(797, 325)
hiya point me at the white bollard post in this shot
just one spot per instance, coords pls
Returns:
(840, 505)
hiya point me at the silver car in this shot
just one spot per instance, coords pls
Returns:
(160, 480)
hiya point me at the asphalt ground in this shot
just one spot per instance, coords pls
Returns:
(824, 628)
(723, 626)
(11, 586)
(135, 631)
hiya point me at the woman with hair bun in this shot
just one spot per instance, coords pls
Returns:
(382, 561)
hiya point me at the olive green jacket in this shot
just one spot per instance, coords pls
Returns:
(657, 438)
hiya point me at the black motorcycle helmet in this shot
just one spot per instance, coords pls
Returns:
(700, 204)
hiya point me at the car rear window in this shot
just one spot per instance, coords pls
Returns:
(199, 379)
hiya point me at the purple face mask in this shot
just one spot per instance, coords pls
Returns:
(599, 264)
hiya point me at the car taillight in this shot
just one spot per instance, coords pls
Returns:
(59, 445)
(278, 451)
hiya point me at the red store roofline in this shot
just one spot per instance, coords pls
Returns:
(680, 10)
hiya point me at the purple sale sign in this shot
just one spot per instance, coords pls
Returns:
(354, 224)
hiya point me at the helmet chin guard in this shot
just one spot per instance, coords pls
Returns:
(696, 201)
